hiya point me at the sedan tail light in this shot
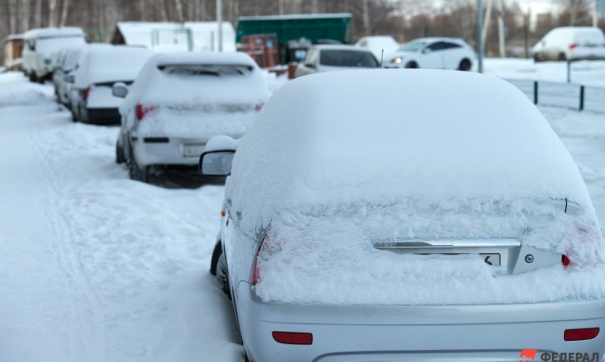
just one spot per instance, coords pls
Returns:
(88, 90)
(255, 269)
(140, 110)
(572, 45)
(565, 261)
(265, 249)
(258, 107)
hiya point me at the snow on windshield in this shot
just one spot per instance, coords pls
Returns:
(337, 161)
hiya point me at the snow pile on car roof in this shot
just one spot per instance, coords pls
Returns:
(338, 161)
(101, 63)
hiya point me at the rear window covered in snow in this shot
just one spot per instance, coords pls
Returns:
(215, 70)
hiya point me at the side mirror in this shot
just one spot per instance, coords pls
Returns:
(426, 50)
(119, 89)
(216, 163)
(70, 78)
(217, 156)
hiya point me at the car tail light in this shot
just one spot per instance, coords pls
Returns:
(141, 110)
(265, 249)
(87, 91)
(293, 337)
(572, 45)
(258, 107)
(580, 334)
(565, 261)
(255, 269)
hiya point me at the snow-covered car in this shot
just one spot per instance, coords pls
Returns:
(379, 45)
(41, 47)
(571, 43)
(433, 53)
(66, 62)
(179, 101)
(99, 66)
(462, 232)
(328, 57)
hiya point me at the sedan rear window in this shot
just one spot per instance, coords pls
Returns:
(347, 58)
(213, 70)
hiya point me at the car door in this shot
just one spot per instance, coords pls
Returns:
(453, 53)
(432, 56)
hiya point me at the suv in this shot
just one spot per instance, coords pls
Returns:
(179, 101)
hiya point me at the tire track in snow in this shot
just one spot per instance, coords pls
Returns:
(87, 337)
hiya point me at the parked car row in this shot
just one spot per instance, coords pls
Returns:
(168, 104)
(380, 51)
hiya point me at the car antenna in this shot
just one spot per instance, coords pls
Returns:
(381, 57)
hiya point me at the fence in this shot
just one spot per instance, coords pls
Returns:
(566, 95)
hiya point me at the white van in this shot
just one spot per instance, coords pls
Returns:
(571, 43)
(42, 45)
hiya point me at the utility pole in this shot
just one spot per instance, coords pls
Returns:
(219, 20)
(501, 28)
(595, 11)
(478, 31)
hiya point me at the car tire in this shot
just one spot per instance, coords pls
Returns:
(562, 57)
(216, 254)
(135, 172)
(465, 65)
(120, 158)
(412, 65)
(218, 268)
(536, 58)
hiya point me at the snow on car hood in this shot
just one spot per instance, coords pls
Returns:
(446, 154)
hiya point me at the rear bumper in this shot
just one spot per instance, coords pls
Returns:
(416, 333)
(167, 151)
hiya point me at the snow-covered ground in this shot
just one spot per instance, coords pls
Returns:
(95, 267)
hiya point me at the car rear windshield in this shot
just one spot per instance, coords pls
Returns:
(347, 58)
(213, 70)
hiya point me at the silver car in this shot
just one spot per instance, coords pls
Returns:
(363, 222)
(179, 101)
(327, 58)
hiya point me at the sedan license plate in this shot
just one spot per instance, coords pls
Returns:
(193, 150)
(491, 259)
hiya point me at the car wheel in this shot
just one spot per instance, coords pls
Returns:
(218, 268)
(120, 158)
(536, 58)
(465, 65)
(216, 254)
(562, 57)
(74, 116)
(411, 65)
(135, 172)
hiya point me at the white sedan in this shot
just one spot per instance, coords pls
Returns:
(363, 223)
(434, 53)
